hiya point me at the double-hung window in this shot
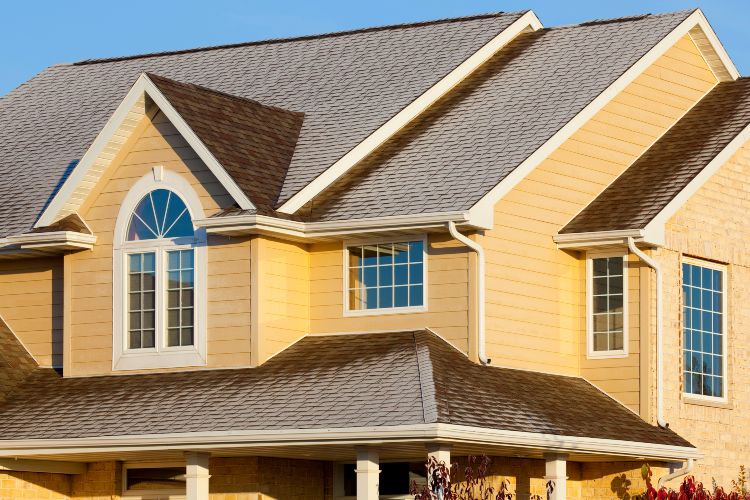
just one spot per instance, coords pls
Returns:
(386, 277)
(606, 277)
(704, 329)
(158, 274)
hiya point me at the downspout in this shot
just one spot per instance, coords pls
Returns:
(678, 473)
(659, 333)
(476, 247)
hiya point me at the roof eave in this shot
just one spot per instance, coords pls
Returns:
(51, 241)
(311, 231)
(416, 433)
(598, 240)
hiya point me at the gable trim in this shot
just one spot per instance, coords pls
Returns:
(527, 22)
(82, 180)
(695, 22)
(657, 224)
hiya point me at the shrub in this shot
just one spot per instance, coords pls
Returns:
(690, 489)
(474, 484)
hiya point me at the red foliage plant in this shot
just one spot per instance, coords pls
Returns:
(473, 486)
(690, 489)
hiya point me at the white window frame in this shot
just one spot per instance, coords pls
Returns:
(590, 352)
(149, 494)
(160, 356)
(700, 398)
(390, 310)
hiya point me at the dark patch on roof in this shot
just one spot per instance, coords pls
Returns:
(647, 186)
(16, 364)
(346, 85)
(339, 381)
(253, 142)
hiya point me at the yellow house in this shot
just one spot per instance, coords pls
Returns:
(297, 268)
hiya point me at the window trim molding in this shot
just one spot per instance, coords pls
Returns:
(390, 310)
(122, 358)
(625, 351)
(700, 399)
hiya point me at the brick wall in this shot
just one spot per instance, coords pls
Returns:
(712, 225)
(34, 486)
(261, 478)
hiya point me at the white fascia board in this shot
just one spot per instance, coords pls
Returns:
(79, 173)
(526, 22)
(584, 241)
(417, 433)
(53, 239)
(658, 223)
(259, 223)
(484, 208)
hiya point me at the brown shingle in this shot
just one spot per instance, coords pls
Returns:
(356, 380)
(254, 143)
(647, 186)
(16, 364)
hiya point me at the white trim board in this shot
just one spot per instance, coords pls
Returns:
(111, 138)
(416, 433)
(527, 22)
(694, 23)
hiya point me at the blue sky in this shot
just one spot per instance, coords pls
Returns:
(37, 34)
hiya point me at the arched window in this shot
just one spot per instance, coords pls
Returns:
(159, 269)
(161, 265)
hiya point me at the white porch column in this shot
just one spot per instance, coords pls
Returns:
(368, 473)
(556, 471)
(196, 474)
(442, 453)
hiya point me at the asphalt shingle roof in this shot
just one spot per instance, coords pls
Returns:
(321, 382)
(346, 84)
(647, 186)
(481, 131)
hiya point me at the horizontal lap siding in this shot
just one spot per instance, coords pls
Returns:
(535, 292)
(31, 302)
(284, 289)
(713, 224)
(447, 294)
(156, 142)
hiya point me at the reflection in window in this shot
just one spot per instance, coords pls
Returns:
(395, 478)
(386, 275)
(161, 273)
(607, 304)
(703, 330)
(162, 480)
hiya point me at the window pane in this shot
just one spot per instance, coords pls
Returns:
(181, 228)
(160, 214)
(173, 337)
(607, 303)
(703, 330)
(149, 339)
(180, 311)
(135, 263)
(416, 295)
(186, 337)
(173, 261)
(141, 314)
(380, 275)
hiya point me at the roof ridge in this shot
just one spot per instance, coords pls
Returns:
(298, 38)
(621, 19)
(227, 95)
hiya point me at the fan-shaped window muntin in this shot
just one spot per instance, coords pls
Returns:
(160, 274)
(160, 214)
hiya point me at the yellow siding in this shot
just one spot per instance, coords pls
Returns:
(535, 297)
(31, 302)
(447, 299)
(283, 313)
(712, 225)
(156, 142)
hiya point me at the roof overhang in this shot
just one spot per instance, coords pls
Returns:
(234, 225)
(695, 25)
(47, 242)
(600, 240)
(110, 140)
(522, 443)
(525, 23)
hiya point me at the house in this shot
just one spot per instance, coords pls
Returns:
(296, 268)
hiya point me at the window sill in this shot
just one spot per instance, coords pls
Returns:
(153, 359)
(385, 312)
(607, 355)
(692, 399)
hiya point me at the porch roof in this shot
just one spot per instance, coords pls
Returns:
(375, 381)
